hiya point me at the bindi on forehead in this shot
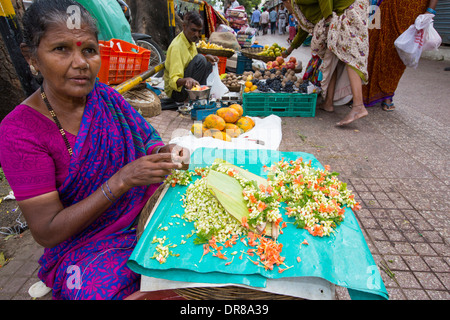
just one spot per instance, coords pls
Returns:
(79, 43)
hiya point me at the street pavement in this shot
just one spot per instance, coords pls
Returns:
(396, 163)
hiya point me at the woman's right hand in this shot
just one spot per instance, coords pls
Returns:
(51, 223)
(188, 83)
(286, 53)
(146, 170)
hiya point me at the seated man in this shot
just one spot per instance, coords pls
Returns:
(184, 67)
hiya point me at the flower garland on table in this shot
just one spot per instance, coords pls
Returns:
(200, 206)
(209, 217)
(314, 196)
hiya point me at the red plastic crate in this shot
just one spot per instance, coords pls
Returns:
(119, 66)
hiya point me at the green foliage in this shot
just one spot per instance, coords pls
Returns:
(248, 4)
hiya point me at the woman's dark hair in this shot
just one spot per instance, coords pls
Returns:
(193, 17)
(42, 14)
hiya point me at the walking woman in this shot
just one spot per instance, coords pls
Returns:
(340, 39)
(385, 66)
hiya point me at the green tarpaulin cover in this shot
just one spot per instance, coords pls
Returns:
(111, 20)
(343, 258)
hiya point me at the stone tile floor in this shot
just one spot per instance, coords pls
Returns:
(397, 165)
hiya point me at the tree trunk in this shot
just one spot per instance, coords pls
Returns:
(11, 91)
(151, 17)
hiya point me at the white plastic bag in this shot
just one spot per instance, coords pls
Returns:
(411, 43)
(225, 28)
(432, 39)
(218, 89)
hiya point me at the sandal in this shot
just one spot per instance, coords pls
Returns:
(388, 106)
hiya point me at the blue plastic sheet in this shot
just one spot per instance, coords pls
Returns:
(343, 258)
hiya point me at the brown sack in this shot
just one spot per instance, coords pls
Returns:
(225, 39)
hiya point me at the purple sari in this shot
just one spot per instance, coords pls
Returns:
(92, 264)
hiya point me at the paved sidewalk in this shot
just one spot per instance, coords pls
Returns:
(397, 165)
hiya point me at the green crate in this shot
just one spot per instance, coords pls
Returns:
(281, 104)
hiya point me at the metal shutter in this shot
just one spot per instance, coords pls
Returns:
(442, 20)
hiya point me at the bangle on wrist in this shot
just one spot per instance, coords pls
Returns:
(432, 11)
(109, 190)
(104, 193)
(158, 149)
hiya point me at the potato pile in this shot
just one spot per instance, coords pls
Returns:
(283, 75)
(231, 80)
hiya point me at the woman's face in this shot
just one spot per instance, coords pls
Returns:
(69, 60)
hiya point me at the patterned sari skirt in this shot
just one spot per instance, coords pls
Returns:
(344, 40)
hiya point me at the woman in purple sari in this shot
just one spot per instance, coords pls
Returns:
(81, 161)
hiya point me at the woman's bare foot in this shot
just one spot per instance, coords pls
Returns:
(356, 113)
(326, 107)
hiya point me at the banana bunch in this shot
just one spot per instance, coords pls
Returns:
(207, 45)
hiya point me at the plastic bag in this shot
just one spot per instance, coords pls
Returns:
(411, 43)
(225, 28)
(218, 89)
(432, 39)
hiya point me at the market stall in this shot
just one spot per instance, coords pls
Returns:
(306, 261)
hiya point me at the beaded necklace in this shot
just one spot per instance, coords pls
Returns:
(55, 118)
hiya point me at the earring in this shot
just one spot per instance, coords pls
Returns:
(33, 70)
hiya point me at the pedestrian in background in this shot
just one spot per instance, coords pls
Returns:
(273, 15)
(282, 18)
(292, 28)
(341, 41)
(256, 17)
(264, 20)
(385, 66)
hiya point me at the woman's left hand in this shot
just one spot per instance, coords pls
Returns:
(179, 154)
